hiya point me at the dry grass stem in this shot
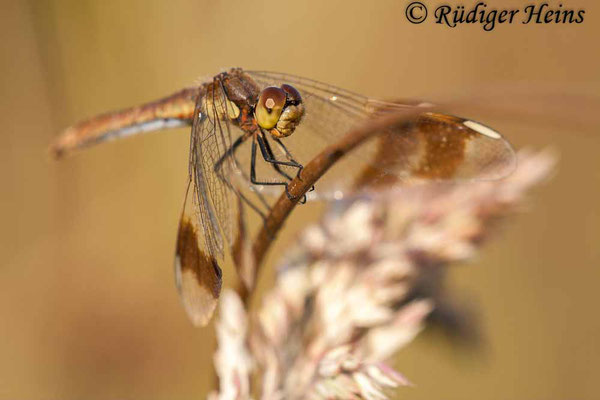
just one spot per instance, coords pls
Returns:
(343, 303)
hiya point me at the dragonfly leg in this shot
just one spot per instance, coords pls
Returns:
(219, 171)
(291, 158)
(275, 163)
(271, 155)
(272, 160)
(269, 151)
(253, 166)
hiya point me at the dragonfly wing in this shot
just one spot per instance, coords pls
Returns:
(436, 147)
(197, 272)
(206, 222)
(214, 164)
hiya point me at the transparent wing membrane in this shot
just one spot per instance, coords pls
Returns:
(197, 273)
(436, 147)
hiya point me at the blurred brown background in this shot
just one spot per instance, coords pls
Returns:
(88, 307)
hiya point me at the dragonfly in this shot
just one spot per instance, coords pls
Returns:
(252, 132)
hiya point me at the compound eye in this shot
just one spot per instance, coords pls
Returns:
(269, 107)
(293, 95)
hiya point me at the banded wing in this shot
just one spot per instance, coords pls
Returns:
(197, 272)
(206, 223)
(436, 147)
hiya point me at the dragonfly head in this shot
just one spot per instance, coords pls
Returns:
(279, 110)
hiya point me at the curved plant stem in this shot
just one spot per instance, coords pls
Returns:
(309, 176)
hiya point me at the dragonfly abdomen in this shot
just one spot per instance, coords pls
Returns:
(169, 112)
